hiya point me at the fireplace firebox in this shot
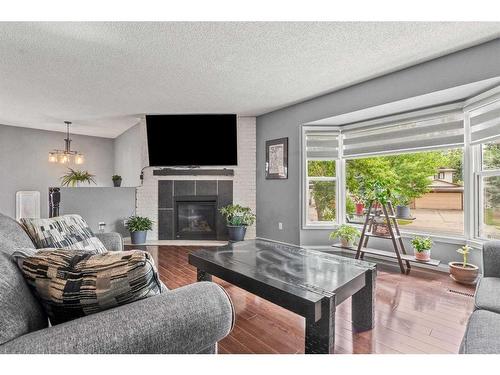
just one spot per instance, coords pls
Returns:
(195, 217)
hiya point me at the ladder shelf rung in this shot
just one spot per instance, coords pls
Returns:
(369, 234)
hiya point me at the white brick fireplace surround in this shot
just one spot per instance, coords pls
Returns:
(244, 179)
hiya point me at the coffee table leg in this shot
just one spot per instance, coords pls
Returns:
(320, 335)
(203, 276)
(363, 304)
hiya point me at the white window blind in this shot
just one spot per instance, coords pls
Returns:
(322, 145)
(485, 123)
(430, 132)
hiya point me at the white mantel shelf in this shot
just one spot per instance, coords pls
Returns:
(207, 243)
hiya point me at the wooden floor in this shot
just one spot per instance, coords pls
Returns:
(414, 314)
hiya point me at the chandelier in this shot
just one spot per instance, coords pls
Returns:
(66, 156)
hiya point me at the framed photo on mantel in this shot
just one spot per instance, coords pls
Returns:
(277, 159)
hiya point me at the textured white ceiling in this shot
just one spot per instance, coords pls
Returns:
(103, 76)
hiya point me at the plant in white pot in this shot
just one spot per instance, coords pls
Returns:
(422, 247)
(237, 220)
(347, 234)
(138, 227)
(463, 272)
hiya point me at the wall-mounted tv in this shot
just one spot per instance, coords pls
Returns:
(192, 140)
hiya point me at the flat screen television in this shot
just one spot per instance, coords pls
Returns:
(192, 140)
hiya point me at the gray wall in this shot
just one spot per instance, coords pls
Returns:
(24, 164)
(128, 157)
(279, 200)
(107, 204)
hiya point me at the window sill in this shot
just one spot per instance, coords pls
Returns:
(455, 240)
(320, 226)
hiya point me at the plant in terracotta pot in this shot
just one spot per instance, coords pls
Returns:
(463, 272)
(347, 235)
(422, 247)
(117, 180)
(237, 220)
(138, 227)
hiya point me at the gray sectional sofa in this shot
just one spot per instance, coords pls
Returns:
(191, 319)
(482, 335)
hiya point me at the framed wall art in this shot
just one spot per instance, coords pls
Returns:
(277, 159)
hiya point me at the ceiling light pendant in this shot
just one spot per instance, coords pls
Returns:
(66, 156)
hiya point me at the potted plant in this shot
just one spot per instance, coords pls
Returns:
(422, 247)
(117, 180)
(347, 235)
(358, 201)
(463, 272)
(74, 178)
(402, 206)
(237, 219)
(378, 193)
(138, 227)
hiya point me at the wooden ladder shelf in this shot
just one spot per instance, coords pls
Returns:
(387, 211)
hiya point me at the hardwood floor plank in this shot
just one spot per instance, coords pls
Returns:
(415, 313)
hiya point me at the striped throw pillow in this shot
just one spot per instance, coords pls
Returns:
(71, 284)
(69, 232)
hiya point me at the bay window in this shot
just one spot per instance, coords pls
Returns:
(442, 163)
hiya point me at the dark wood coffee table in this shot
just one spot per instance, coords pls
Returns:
(309, 283)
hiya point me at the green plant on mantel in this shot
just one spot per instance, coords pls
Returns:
(116, 177)
(237, 215)
(138, 224)
(73, 178)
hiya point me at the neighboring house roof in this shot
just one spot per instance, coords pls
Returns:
(444, 186)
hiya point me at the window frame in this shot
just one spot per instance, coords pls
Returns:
(475, 164)
(341, 170)
(305, 178)
(479, 175)
(411, 233)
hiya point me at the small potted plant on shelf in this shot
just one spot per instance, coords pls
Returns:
(117, 180)
(422, 247)
(377, 193)
(463, 272)
(347, 235)
(138, 227)
(358, 201)
(402, 206)
(74, 178)
(237, 219)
